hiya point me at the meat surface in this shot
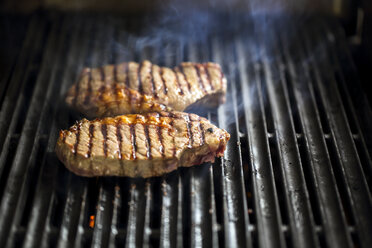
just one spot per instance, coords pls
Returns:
(140, 145)
(143, 88)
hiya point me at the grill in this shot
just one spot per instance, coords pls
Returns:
(296, 173)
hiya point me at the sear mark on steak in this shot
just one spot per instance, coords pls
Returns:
(138, 145)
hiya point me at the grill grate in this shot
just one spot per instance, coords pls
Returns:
(296, 173)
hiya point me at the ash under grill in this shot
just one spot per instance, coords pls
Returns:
(296, 173)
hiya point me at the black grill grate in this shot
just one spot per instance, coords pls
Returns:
(296, 173)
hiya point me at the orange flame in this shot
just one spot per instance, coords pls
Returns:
(91, 221)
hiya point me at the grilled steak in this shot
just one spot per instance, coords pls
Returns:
(143, 88)
(140, 145)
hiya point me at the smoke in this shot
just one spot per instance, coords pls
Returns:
(197, 20)
(165, 38)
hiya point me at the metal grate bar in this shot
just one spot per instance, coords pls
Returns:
(84, 204)
(297, 198)
(115, 234)
(266, 203)
(48, 231)
(118, 233)
(136, 214)
(215, 226)
(140, 192)
(147, 52)
(115, 215)
(70, 213)
(180, 236)
(211, 203)
(149, 202)
(122, 197)
(201, 222)
(103, 213)
(184, 177)
(202, 232)
(235, 213)
(168, 227)
(357, 189)
(321, 173)
(170, 210)
(94, 195)
(77, 187)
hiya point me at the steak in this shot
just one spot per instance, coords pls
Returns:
(144, 88)
(138, 145)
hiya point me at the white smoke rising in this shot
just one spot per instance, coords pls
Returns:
(198, 22)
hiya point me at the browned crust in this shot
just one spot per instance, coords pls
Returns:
(140, 88)
(203, 145)
(109, 102)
